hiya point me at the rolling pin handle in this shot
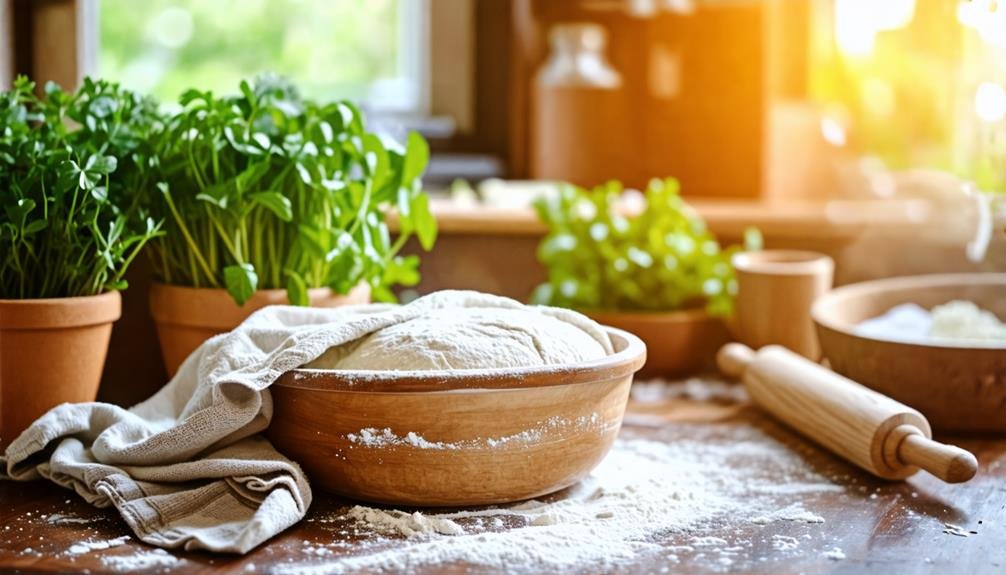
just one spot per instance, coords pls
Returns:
(733, 359)
(948, 462)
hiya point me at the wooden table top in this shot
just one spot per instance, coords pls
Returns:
(918, 526)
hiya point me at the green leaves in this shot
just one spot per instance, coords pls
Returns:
(289, 190)
(660, 258)
(423, 221)
(70, 164)
(241, 282)
(417, 155)
(296, 289)
(276, 203)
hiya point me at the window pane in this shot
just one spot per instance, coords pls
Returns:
(332, 48)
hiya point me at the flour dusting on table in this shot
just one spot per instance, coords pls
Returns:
(88, 546)
(141, 560)
(645, 491)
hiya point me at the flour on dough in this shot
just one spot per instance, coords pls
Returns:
(468, 330)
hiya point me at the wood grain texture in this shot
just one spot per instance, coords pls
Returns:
(476, 448)
(862, 426)
(956, 387)
(882, 527)
(948, 462)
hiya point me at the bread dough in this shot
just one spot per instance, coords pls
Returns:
(479, 332)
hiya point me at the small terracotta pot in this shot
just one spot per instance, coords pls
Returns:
(52, 351)
(187, 316)
(678, 342)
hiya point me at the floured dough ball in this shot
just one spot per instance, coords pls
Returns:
(468, 338)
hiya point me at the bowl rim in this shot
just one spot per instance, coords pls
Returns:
(820, 311)
(623, 363)
(782, 263)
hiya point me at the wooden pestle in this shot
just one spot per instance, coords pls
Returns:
(871, 430)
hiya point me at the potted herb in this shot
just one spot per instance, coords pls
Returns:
(68, 163)
(653, 269)
(270, 198)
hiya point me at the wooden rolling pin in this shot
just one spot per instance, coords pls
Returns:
(884, 437)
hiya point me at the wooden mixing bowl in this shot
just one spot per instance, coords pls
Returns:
(449, 438)
(956, 386)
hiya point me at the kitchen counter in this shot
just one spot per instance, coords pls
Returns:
(867, 525)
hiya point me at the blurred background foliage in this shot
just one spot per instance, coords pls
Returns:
(343, 49)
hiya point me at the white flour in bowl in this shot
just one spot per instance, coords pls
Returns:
(956, 322)
(713, 482)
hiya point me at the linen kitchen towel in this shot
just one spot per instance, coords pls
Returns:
(188, 467)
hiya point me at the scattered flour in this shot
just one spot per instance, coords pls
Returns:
(784, 542)
(373, 437)
(835, 554)
(694, 388)
(951, 529)
(140, 561)
(88, 546)
(794, 512)
(678, 483)
(708, 541)
(61, 519)
(402, 523)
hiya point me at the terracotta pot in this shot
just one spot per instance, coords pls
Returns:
(678, 343)
(51, 351)
(187, 316)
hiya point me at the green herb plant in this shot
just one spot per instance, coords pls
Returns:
(268, 190)
(662, 258)
(70, 164)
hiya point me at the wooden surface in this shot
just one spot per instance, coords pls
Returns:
(882, 527)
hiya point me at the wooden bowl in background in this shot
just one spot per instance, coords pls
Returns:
(678, 343)
(449, 438)
(957, 387)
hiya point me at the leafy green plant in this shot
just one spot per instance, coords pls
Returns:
(69, 164)
(268, 190)
(662, 258)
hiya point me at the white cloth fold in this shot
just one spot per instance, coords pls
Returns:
(188, 467)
